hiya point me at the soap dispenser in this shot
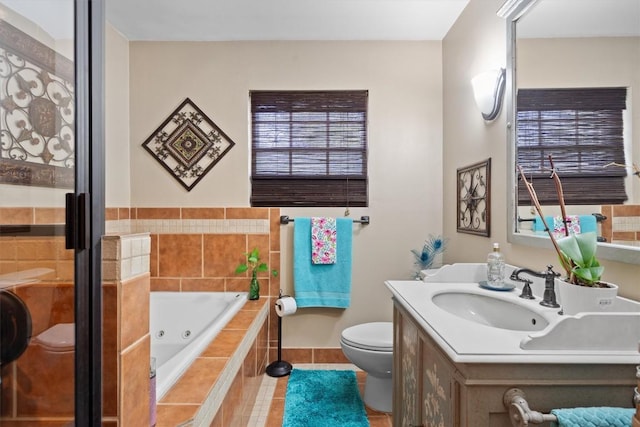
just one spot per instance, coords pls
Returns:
(495, 267)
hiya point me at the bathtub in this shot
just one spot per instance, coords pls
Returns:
(182, 324)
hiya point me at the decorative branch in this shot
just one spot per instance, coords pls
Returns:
(534, 198)
(558, 184)
(634, 167)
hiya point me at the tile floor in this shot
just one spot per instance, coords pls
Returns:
(269, 407)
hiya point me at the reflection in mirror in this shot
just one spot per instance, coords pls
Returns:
(576, 95)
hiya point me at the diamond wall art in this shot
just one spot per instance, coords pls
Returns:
(188, 144)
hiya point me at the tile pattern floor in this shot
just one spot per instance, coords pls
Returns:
(269, 407)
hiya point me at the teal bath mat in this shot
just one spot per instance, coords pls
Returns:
(319, 398)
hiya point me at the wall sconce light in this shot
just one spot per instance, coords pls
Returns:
(488, 91)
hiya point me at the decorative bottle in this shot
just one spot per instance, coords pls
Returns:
(254, 287)
(495, 267)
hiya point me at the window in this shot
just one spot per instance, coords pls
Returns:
(582, 129)
(309, 148)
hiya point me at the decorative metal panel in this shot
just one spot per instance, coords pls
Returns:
(474, 202)
(37, 100)
(188, 144)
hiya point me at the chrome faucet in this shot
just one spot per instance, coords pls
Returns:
(549, 297)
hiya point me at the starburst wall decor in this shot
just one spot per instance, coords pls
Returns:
(188, 144)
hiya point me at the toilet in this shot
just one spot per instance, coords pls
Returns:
(52, 356)
(58, 339)
(369, 346)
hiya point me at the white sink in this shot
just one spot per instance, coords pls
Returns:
(589, 331)
(476, 325)
(489, 311)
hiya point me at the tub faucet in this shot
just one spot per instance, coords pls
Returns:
(549, 297)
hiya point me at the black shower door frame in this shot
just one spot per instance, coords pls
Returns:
(88, 202)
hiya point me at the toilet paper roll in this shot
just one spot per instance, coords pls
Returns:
(286, 306)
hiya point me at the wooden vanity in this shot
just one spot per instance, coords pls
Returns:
(430, 389)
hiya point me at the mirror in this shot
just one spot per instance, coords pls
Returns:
(573, 44)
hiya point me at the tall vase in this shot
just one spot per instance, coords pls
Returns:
(254, 287)
(579, 299)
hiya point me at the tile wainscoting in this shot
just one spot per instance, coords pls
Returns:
(169, 249)
(198, 249)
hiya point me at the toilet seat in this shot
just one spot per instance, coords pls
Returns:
(374, 336)
(58, 338)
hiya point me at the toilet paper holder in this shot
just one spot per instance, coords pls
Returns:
(279, 368)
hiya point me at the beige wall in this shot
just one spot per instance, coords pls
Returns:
(589, 62)
(117, 166)
(404, 80)
(477, 42)
(418, 138)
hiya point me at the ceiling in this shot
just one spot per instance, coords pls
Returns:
(56, 21)
(213, 20)
(206, 20)
(581, 18)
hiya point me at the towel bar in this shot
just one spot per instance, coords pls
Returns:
(521, 415)
(599, 218)
(284, 219)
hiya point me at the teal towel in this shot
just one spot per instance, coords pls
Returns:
(587, 223)
(594, 417)
(322, 285)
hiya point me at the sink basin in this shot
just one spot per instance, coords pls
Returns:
(489, 311)
(476, 325)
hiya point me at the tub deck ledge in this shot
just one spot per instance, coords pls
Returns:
(196, 398)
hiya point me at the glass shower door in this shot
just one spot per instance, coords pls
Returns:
(46, 237)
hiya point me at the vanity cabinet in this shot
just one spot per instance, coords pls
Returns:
(430, 389)
(427, 385)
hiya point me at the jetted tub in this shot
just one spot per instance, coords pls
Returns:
(182, 324)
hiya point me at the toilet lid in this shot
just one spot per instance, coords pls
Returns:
(59, 336)
(370, 336)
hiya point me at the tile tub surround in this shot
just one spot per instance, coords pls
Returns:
(220, 387)
(125, 256)
(39, 385)
(45, 255)
(184, 220)
(22, 253)
(231, 363)
(197, 249)
(31, 215)
(126, 341)
(31, 392)
(622, 225)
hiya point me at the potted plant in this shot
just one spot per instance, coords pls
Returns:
(253, 263)
(582, 289)
(579, 253)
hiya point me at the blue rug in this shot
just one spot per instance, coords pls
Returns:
(319, 398)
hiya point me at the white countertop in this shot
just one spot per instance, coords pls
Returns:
(465, 341)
